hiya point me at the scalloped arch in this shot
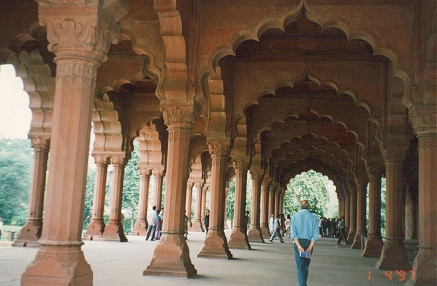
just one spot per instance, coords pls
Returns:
(38, 84)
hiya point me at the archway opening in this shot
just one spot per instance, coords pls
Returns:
(318, 189)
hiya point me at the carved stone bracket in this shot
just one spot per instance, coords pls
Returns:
(240, 165)
(219, 148)
(144, 171)
(101, 160)
(392, 152)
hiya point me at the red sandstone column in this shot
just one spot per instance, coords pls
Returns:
(199, 211)
(393, 255)
(158, 177)
(31, 231)
(172, 256)
(216, 245)
(265, 208)
(255, 234)
(361, 213)
(347, 210)
(188, 200)
(114, 229)
(97, 225)
(374, 242)
(276, 198)
(272, 201)
(80, 41)
(425, 263)
(352, 216)
(140, 227)
(204, 206)
(238, 238)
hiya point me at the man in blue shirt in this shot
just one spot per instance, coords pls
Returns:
(304, 233)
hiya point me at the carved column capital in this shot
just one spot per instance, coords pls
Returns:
(118, 160)
(144, 171)
(374, 167)
(101, 159)
(199, 184)
(423, 117)
(394, 151)
(178, 114)
(220, 148)
(84, 29)
(40, 142)
(158, 171)
(256, 175)
(240, 165)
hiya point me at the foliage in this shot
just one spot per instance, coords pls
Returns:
(230, 201)
(310, 186)
(89, 196)
(131, 187)
(15, 178)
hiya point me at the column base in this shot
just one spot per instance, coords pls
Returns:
(113, 232)
(29, 234)
(238, 239)
(171, 258)
(197, 226)
(140, 227)
(215, 245)
(356, 244)
(255, 235)
(393, 256)
(373, 245)
(424, 267)
(350, 237)
(265, 232)
(58, 265)
(94, 229)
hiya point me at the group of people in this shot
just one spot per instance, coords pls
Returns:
(154, 221)
(331, 227)
(279, 227)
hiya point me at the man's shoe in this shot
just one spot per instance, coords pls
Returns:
(282, 241)
(271, 240)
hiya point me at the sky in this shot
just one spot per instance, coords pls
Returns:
(15, 114)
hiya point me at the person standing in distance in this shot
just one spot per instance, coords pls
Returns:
(304, 233)
(152, 220)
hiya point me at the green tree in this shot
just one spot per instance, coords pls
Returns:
(131, 186)
(310, 186)
(89, 196)
(15, 177)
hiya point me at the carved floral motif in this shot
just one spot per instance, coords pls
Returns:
(40, 143)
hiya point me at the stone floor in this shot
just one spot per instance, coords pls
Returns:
(266, 264)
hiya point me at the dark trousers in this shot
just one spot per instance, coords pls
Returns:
(342, 236)
(151, 228)
(302, 264)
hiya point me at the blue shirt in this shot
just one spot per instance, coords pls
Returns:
(305, 225)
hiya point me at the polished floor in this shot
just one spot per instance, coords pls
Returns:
(267, 263)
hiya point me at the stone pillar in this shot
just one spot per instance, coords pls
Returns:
(204, 206)
(114, 229)
(374, 242)
(410, 214)
(216, 245)
(199, 211)
(265, 207)
(352, 216)
(31, 231)
(347, 210)
(80, 42)
(238, 238)
(255, 234)
(172, 256)
(189, 199)
(271, 202)
(361, 213)
(140, 227)
(277, 195)
(424, 123)
(97, 225)
(393, 254)
(158, 177)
